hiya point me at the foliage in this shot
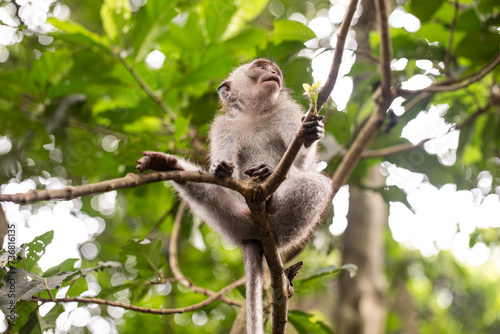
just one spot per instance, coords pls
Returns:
(82, 108)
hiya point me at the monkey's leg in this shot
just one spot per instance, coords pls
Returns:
(299, 203)
(253, 257)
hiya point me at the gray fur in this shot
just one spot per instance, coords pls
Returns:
(257, 126)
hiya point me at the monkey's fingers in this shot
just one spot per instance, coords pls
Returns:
(313, 118)
(142, 164)
(223, 168)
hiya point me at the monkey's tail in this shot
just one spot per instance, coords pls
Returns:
(253, 257)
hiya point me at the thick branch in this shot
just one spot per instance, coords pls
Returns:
(129, 181)
(273, 259)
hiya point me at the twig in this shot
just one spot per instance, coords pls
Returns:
(174, 263)
(447, 58)
(145, 86)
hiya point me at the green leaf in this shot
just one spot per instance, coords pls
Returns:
(37, 324)
(247, 11)
(181, 128)
(330, 270)
(218, 14)
(339, 125)
(115, 18)
(150, 25)
(35, 250)
(286, 30)
(247, 41)
(424, 9)
(26, 285)
(66, 265)
(75, 33)
(468, 46)
(306, 323)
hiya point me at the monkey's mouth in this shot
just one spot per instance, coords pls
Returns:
(272, 78)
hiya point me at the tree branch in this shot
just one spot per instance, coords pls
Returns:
(279, 175)
(174, 263)
(449, 85)
(129, 181)
(404, 147)
(376, 119)
(156, 99)
(271, 184)
(141, 309)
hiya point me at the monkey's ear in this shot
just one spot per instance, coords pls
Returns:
(224, 90)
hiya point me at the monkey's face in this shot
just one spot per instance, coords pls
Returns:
(256, 84)
(265, 76)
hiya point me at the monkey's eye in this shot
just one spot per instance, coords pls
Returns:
(262, 67)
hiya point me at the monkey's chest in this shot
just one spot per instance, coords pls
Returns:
(259, 147)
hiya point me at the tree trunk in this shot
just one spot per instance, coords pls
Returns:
(361, 306)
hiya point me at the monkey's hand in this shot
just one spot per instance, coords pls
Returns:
(312, 130)
(222, 168)
(158, 161)
(260, 169)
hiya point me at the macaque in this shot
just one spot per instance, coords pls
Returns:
(248, 138)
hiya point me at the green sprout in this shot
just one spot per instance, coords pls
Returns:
(313, 92)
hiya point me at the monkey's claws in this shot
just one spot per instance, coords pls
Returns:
(312, 130)
(222, 168)
(260, 170)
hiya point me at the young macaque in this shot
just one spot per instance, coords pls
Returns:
(247, 139)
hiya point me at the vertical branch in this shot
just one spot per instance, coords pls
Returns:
(278, 176)
(383, 101)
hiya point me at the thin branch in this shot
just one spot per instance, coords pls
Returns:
(399, 148)
(129, 181)
(156, 99)
(160, 221)
(278, 176)
(383, 102)
(149, 310)
(447, 58)
(404, 147)
(174, 263)
(449, 85)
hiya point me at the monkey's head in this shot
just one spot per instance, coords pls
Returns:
(257, 84)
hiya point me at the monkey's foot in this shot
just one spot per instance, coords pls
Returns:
(158, 161)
